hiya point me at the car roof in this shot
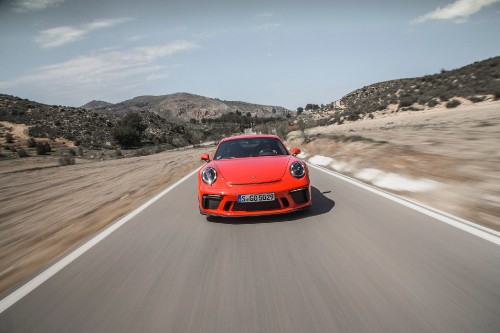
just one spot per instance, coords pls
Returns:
(250, 136)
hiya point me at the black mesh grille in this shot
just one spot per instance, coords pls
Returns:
(300, 197)
(256, 206)
(211, 202)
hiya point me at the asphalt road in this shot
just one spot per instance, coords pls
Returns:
(356, 262)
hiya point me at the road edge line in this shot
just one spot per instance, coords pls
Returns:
(455, 221)
(32, 284)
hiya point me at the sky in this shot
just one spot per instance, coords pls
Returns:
(284, 52)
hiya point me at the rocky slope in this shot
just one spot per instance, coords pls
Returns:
(86, 127)
(182, 107)
(475, 82)
(471, 82)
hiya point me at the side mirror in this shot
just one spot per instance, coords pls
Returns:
(205, 158)
(295, 151)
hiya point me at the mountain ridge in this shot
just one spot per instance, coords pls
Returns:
(475, 82)
(184, 118)
(182, 107)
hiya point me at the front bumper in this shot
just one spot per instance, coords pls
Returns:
(216, 202)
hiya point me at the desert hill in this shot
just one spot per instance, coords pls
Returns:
(182, 107)
(181, 119)
(85, 127)
(92, 127)
(95, 105)
(475, 82)
(472, 82)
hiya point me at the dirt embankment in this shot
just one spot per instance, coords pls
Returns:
(457, 151)
(47, 211)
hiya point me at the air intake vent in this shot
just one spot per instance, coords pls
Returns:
(300, 196)
(210, 201)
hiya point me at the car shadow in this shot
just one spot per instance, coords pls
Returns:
(321, 204)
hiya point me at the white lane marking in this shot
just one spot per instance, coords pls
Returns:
(468, 226)
(29, 286)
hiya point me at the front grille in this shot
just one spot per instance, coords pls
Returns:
(210, 201)
(256, 206)
(300, 196)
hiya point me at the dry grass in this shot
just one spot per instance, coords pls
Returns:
(47, 211)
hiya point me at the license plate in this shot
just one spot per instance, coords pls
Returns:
(256, 197)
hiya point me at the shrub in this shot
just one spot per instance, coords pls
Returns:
(432, 103)
(22, 153)
(40, 149)
(352, 116)
(118, 153)
(453, 103)
(142, 152)
(405, 102)
(9, 138)
(31, 143)
(475, 99)
(66, 160)
(311, 106)
(129, 130)
(79, 151)
(444, 97)
(43, 148)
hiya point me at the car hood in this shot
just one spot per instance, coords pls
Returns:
(253, 170)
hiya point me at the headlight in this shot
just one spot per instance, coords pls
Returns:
(297, 170)
(209, 175)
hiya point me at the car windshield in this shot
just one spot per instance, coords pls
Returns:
(250, 147)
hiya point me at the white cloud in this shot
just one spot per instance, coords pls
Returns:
(134, 38)
(157, 76)
(108, 69)
(265, 21)
(267, 26)
(264, 15)
(55, 37)
(459, 10)
(32, 5)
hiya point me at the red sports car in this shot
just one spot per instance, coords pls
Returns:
(253, 175)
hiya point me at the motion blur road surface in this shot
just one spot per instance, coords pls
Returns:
(355, 262)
